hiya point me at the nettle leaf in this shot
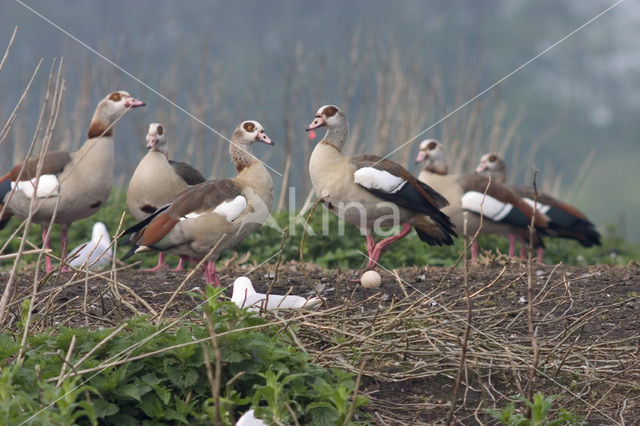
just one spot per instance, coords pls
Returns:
(172, 414)
(133, 390)
(322, 414)
(151, 379)
(183, 378)
(7, 346)
(163, 393)
(232, 356)
(152, 406)
(122, 419)
(104, 408)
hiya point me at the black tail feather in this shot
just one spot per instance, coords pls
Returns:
(4, 217)
(138, 226)
(582, 231)
(5, 188)
(130, 253)
(433, 241)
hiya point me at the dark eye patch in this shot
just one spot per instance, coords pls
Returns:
(115, 97)
(492, 158)
(330, 111)
(432, 145)
(248, 126)
(160, 130)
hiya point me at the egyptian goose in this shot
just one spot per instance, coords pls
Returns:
(215, 214)
(78, 183)
(565, 221)
(157, 181)
(369, 191)
(503, 211)
(95, 254)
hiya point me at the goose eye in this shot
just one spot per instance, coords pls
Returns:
(432, 145)
(330, 111)
(160, 130)
(115, 97)
(249, 127)
(492, 158)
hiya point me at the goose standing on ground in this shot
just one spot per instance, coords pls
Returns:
(565, 221)
(503, 211)
(157, 181)
(78, 183)
(217, 213)
(369, 191)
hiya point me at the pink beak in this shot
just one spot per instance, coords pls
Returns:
(422, 155)
(262, 137)
(317, 122)
(481, 167)
(131, 102)
(152, 140)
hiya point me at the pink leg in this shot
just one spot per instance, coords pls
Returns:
(382, 245)
(63, 243)
(46, 244)
(209, 270)
(540, 255)
(512, 245)
(161, 266)
(474, 251)
(523, 251)
(181, 263)
(371, 245)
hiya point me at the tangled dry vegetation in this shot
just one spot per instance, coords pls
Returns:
(410, 342)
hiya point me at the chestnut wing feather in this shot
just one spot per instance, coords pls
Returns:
(53, 163)
(196, 199)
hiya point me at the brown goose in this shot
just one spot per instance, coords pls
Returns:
(565, 221)
(369, 191)
(503, 211)
(217, 213)
(157, 181)
(78, 182)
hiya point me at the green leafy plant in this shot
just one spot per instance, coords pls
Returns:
(260, 369)
(541, 413)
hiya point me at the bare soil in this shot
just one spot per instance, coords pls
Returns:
(587, 322)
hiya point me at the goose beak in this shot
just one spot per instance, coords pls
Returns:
(151, 141)
(262, 137)
(131, 102)
(422, 155)
(317, 122)
(481, 168)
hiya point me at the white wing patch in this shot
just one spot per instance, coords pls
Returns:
(191, 216)
(489, 207)
(47, 187)
(542, 208)
(231, 209)
(381, 180)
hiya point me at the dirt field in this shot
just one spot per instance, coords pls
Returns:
(405, 337)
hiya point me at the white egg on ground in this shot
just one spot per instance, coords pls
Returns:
(370, 279)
